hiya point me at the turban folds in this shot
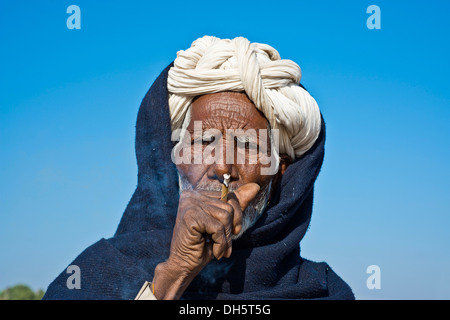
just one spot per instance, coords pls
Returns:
(214, 65)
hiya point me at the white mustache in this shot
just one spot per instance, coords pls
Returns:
(207, 186)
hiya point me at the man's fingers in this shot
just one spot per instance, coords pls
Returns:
(225, 216)
(240, 199)
(206, 224)
(238, 215)
(210, 193)
(229, 213)
(246, 194)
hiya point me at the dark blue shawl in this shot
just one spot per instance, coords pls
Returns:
(265, 263)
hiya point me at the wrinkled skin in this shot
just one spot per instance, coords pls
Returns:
(205, 223)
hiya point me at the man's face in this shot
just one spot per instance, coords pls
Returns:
(228, 112)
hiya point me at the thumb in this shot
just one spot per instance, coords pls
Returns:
(246, 193)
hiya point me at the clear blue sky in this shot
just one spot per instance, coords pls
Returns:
(69, 100)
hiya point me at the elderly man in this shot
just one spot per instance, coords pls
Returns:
(229, 145)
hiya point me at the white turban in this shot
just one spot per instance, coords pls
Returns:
(214, 65)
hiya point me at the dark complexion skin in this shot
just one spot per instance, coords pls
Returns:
(202, 212)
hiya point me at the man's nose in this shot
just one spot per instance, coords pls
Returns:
(226, 165)
(220, 169)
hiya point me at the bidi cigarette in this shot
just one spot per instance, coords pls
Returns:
(226, 181)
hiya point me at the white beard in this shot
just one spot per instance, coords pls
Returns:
(253, 211)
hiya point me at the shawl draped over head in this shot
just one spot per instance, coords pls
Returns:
(266, 261)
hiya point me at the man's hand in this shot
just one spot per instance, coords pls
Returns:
(202, 231)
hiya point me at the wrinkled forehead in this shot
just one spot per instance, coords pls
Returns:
(226, 110)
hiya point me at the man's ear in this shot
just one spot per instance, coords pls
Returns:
(285, 161)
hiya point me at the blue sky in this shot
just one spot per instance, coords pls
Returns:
(69, 100)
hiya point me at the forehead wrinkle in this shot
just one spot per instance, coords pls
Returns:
(231, 115)
(227, 118)
(223, 111)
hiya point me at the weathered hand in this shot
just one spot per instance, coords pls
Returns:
(202, 231)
